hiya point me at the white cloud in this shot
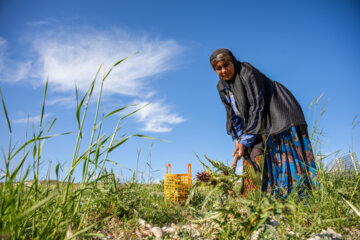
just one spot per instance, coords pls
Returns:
(65, 101)
(21, 71)
(157, 117)
(41, 23)
(67, 58)
(34, 119)
(11, 71)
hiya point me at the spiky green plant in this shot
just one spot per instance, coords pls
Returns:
(237, 217)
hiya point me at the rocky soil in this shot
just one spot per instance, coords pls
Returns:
(207, 231)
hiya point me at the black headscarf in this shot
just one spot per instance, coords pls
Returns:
(221, 50)
(235, 85)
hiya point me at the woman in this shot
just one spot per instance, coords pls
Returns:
(268, 125)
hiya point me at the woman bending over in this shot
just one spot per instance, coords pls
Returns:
(268, 125)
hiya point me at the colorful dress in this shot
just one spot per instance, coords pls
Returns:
(289, 163)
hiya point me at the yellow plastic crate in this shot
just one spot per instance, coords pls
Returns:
(177, 186)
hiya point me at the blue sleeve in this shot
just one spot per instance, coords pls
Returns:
(246, 139)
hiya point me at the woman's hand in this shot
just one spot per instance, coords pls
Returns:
(237, 154)
(239, 149)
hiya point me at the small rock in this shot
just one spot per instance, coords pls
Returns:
(335, 235)
(175, 226)
(195, 226)
(170, 230)
(158, 233)
(273, 222)
(328, 234)
(142, 222)
(256, 234)
(146, 232)
(187, 228)
(138, 233)
(268, 226)
(196, 234)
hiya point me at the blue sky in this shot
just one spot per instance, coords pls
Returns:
(312, 47)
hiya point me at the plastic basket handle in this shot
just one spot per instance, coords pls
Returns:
(189, 169)
(168, 165)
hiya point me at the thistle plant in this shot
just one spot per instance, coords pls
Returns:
(237, 217)
(220, 176)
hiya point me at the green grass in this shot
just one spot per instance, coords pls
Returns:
(102, 206)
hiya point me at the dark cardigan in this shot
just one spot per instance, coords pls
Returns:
(267, 106)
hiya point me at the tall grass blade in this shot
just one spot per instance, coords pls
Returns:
(118, 110)
(4, 108)
(354, 123)
(36, 139)
(51, 125)
(352, 206)
(43, 104)
(78, 108)
(38, 205)
(79, 233)
(118, 144)
(128, 115)
(20, 164)
(117, 63)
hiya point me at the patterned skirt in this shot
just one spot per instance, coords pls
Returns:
(288, 164)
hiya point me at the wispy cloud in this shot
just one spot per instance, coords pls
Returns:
(69, 58)
(10, 70)
(65, 101)
(41, 23)
(34, 119)
(157, 116)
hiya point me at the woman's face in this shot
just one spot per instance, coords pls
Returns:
(225, 70)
